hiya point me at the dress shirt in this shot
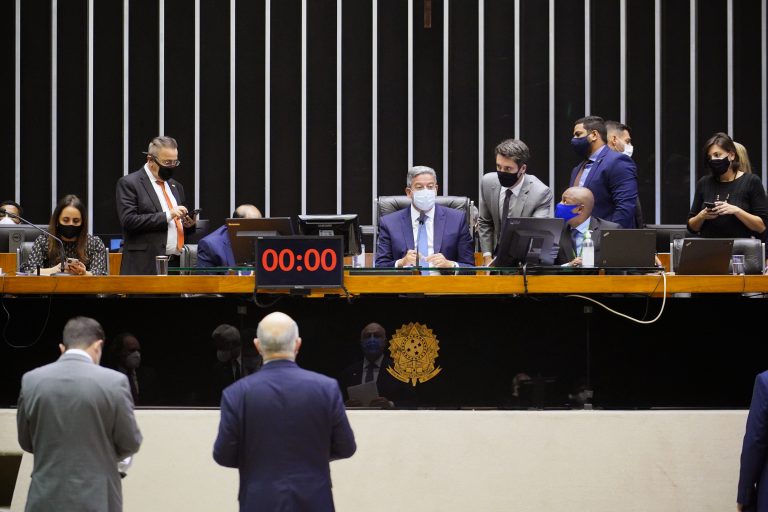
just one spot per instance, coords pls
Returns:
(579, 239)
(375, 370)
(170, 243)
(588, 166)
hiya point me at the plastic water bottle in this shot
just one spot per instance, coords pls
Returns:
(588, 250)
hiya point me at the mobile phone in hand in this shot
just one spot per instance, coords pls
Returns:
(709, 205)
(194, 213)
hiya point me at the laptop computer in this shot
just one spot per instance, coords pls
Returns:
(627, 248)
(705, 256)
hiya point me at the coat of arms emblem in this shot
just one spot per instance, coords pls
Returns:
(413, 349)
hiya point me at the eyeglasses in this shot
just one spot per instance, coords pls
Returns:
(166, 163)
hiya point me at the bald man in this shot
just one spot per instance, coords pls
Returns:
(214, 250)
(282, 426)
(575, 208)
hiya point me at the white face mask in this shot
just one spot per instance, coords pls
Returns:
(6, 220)
(628, 150)
(133, 360)
(424, 199)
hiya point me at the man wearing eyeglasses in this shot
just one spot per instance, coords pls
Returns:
(150, 205)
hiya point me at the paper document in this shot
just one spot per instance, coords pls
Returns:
(364, 393)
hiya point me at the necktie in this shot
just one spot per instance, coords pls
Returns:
(179, 228)
(505, 209)
(369, 372)
(576, 238)
(423, 242)
(576, 181)
(134, 381)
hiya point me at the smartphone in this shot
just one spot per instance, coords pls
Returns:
(72, 261)
(709, 205)
(194, 212)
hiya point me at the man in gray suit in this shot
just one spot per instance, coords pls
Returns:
(509, 192)
(77, 419)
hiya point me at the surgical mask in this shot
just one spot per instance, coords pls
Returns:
(373, 345)
(68, 230)
(165, 173)
(719, 165)
(424, 199)
(507, 179)
(6, 220)
(224, 356)
(628, 150)
(565, 211)
(133, 360)
(581, 146)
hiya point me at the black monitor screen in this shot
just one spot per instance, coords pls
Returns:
(346, 226)
(12, 236)
(244, 232)
(529, 240)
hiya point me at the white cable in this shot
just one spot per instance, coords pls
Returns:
(645, 322)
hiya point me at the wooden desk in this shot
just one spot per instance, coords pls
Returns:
(389, 285)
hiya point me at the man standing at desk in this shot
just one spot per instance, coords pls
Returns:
(438, 235)
(150, 205)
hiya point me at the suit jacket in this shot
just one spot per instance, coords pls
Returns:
(613, 181)
(753, 477)
(214, 250)
(567, 252)
(400, 393)
(281, 427)
(145, 228)
(534, 200)
(77, 418)
(451, 237)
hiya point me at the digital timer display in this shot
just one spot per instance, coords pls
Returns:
(299, 261)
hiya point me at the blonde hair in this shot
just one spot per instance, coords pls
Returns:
(741, 151)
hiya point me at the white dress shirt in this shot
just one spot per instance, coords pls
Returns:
(170, 243)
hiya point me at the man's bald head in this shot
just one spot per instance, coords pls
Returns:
(373, 329)
(581, 197)
(246, 211)
(277, 337)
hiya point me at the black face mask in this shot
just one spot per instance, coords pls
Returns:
(69, 230)
(165, 173)
(508, 179)
(719, 166)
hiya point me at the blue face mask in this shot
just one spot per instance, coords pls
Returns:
(565, 211)
(581, 146)
(373, 345)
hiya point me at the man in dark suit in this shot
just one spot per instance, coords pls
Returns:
(77, 419)
(611, 176)
(440, 236)
(753, 475)
(150, 205)
(392, 392)
(576, 209)
(282, 426)
(214, 250)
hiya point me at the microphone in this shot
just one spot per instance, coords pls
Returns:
(422, 219)
(46, 233)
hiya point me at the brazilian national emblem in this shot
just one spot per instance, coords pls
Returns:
(414, 349)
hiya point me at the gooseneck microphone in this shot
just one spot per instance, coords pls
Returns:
(46, 233)
(422, 218)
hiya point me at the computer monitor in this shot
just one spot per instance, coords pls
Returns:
(113, 242)
(244, 232)
(347, 226)
(13, 236)
(529, 240)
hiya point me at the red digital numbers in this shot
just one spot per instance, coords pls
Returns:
(285, 260)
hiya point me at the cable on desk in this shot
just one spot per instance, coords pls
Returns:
(645, 322)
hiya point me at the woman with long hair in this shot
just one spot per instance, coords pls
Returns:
(86, 253)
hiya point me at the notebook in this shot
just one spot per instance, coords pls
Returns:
(705, 256)
(627, 248)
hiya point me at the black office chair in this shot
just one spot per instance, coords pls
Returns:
(667, 233)
(188, 258)
(390, 204)
(753, 250)
(202, 228)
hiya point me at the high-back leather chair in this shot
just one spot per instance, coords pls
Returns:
(753, 250)
(390, 204)
(188, 257)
